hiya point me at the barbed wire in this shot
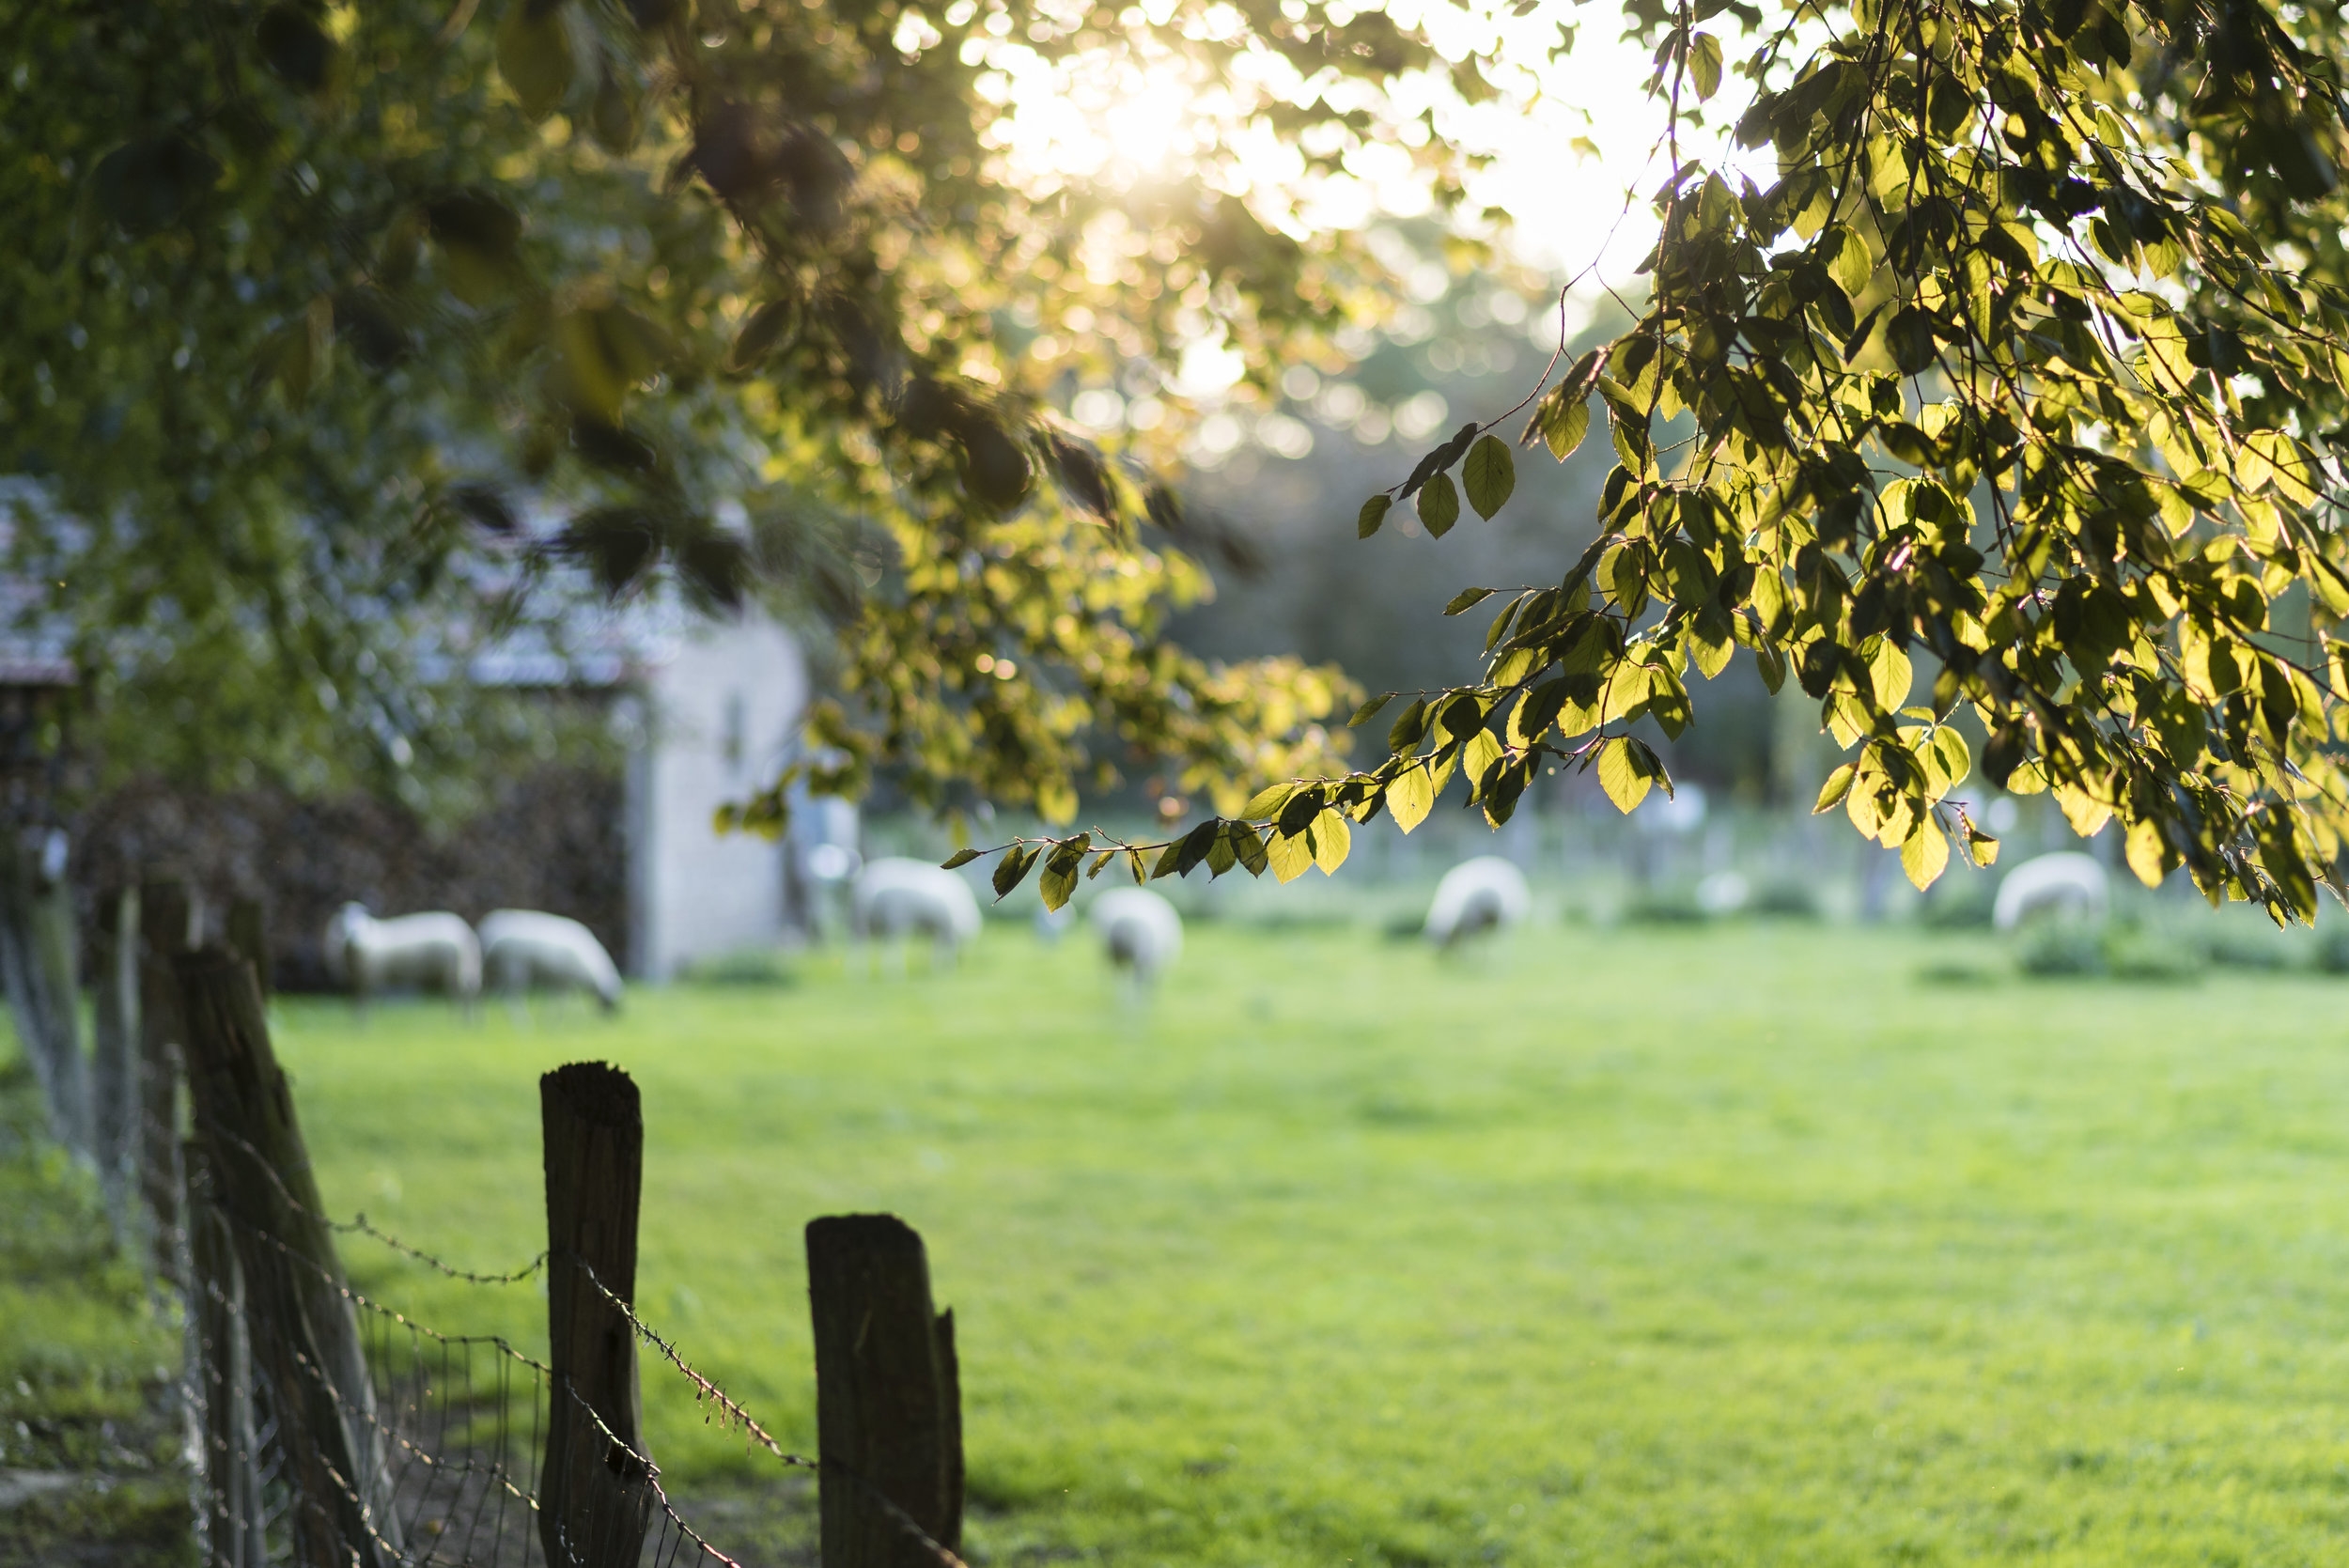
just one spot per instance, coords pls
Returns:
(733, 1413)
(359, 1224)
(706, 1387)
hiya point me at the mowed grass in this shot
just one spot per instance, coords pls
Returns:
(1709, 1247)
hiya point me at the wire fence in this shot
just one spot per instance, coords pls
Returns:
(447, 1449)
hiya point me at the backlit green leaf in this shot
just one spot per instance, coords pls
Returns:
(1626, 771)
(1489, 474)
(1439, 505)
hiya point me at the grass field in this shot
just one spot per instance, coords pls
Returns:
(1731, 1246)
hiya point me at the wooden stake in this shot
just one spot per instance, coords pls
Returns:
(305, 1329)
(114, 1064)
(595, 1496)
(888, 1401)
(246, 933)
(168, 928)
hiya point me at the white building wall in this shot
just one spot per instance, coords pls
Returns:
(725, 705)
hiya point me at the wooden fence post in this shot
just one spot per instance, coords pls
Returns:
(595, 1497)
(888, 1395)
(246, 932)
(305, 1329)
(115, 1062)
(221, 1356)
(169, 921)
(37, 968)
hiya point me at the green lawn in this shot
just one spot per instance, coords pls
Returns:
(1720, 1246)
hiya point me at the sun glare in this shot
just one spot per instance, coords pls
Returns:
(1106, 118)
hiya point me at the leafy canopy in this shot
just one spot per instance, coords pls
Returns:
(2020, 391)
(346, 340)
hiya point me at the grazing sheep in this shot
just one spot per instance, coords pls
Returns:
(1141, 931)
(435, 951)
(2067, 882)
(523, 948)
(897, 897)
(1482, 894)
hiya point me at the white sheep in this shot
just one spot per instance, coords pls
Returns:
(524, 948)
(898, 897)
(437, 951)
(1483, 894)
(2066, 881)
(1140, 930)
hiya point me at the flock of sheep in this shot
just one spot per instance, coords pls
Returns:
(898, 900)
(890, 900)
(518, 949)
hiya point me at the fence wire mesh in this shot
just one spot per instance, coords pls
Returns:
(440, 1454)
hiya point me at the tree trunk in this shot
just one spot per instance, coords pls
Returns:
(37, 970)
(595, 1496)
(888, 1399)
(115, 1067)
(305, 1329)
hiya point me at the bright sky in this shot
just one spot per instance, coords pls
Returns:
(1129, 120)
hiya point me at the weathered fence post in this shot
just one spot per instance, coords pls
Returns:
(246, 932)
(115, 1062)
(168, 928)
(888, 1395)
(594, 1493)
(305, 1333)
(221, 1367)
(37, 968)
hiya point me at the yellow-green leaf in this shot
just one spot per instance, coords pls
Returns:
(1704, 64)
(1832, 793)
(1889, 673)
(1410, 797)
(1489, 474)
(1849, 262)
(1626, 771)
(1566, 425)
(1290, 855)
(1331, 839)
(1925, 854)
(534, 56)
(1374, 512)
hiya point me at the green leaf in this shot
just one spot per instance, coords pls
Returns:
(1012, 870)
(759, 335)
(1848, 260)
(1267, 802)
(1369, 710)
(1704, 64)
(959, 858)
(1627, 770)
(1247, 846)
(1410, 727)
(1565, 428)
(1489, 474)
(534, 56)
(1832, 793)
(1466, 598)
(1331, 839)
(1060, 872)
(1374, 512)
(1925, 854)
(1290, 855)
(1439, 505)
(1981, 845)
(1410, 797)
